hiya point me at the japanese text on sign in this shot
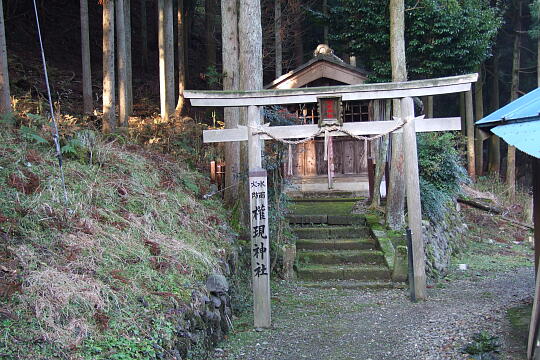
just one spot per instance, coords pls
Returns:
(259, 226)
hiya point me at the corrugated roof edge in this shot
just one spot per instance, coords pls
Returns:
(498, 117)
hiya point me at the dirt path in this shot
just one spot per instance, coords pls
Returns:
(337, 323)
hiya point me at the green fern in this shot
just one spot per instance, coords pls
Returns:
(8, 119)
(30, 133)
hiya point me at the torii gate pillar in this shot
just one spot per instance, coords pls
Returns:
(414, 207)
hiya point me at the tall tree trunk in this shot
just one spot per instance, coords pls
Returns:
(514, 94)
(166, 58)
(129, 62)
(88, 106)
(278, 38)
(144, 36)
(181, 59)
(479, 112)
(122, 64)
(5, 100)
(296, 8)
(494, 141)
(325, 29)
(231, 81)
(251, 71)
(210, 13)
(189, 11)
(537, 4)
(395, 199)
(109, 120)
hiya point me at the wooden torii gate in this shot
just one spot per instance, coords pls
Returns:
(255, 132)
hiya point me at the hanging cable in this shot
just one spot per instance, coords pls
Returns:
(53, 119)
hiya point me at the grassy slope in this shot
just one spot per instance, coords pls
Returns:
(97, 278)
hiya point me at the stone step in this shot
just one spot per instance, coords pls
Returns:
(331, 232)
(326, 219)
(364, 257)
(343, 272)
(335, 244)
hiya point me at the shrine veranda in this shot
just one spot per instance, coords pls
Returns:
(255, 131)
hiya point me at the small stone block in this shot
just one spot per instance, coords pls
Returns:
(400, 272)
(289, 256)
(295, 219)
(315, 219)
(311, 233)
(339, 220)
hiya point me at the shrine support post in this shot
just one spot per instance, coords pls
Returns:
(469, 125)
(414, 209)
(260, 238)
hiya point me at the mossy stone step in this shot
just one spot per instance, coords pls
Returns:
(331, 232)
(335, 244)
(359, 257)
(326, 219)
(343, 272)
(332, 207)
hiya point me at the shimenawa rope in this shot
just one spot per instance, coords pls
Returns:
(326, 130)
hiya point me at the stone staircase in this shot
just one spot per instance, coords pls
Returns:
(334, 245)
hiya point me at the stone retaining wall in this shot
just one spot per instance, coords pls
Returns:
(441, 240)
(203, 323)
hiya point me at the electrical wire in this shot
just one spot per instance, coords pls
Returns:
(53, 119)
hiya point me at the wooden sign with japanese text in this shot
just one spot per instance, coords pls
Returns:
(260, 253)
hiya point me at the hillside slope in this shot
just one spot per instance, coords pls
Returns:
(100, 276)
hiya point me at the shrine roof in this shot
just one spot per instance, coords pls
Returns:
(337, 69)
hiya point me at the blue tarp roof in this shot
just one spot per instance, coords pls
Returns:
(518, 123)
(526, 107)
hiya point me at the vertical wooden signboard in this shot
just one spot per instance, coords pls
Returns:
(260, 252)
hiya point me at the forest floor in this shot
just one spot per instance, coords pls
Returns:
(334, 323)
(338, 321)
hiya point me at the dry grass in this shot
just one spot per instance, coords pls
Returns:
(125, 235)
(63, 302)
(517, 207)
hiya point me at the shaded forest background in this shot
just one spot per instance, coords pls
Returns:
(304, 25)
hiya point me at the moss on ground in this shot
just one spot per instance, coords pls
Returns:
(493, 257)
(520, 317)
(323, 207)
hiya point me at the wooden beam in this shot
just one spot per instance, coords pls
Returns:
(535, 316)
(414, 208)
(260, 238)
(352, 95)
(357, 128)
(347, 92)
(532, 349)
